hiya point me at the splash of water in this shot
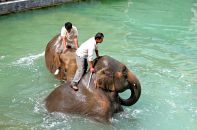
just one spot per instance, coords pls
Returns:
(28, 60)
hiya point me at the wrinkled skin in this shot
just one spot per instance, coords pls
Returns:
(67, 61)
(101, 100)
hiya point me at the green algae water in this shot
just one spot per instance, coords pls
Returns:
(157, 39)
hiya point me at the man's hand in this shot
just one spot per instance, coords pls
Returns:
(91, 66)
(92, 70)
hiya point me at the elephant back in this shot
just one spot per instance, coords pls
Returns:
(49, 54)
(105, 62)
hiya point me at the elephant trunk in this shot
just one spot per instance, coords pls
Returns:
(135, 87)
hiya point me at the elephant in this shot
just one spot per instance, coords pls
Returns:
(98, 100)
(66, 60)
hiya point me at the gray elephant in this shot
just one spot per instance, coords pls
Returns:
(101, 99)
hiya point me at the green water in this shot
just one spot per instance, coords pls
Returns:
(157, 39)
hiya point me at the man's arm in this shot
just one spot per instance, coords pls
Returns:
(97, 53)
(91, 66)
(90, 59)
(64, 41)
(76, 42)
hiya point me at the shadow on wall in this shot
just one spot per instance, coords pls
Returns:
(5, 0)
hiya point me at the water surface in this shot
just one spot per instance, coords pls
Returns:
(156, 39)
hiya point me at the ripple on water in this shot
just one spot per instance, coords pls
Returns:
(2, 57)
(56, 120)
(27, 60)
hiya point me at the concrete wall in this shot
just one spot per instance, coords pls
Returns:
(21, 5)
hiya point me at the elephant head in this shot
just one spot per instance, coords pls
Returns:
(116, 77)
(69, 65)
(65, 60)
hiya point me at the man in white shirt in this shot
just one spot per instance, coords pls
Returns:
(69, 35)
(69, 38)
(83, 54)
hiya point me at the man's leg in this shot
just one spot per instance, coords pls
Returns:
(57, 63)
(79, 73)
(58, 50)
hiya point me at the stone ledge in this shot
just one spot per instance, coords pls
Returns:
(21, 5)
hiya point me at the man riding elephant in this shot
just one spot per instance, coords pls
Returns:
(67, 39)
(84, 53)
(97, 98)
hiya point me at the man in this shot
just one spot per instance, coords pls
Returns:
(83, 54)
(69, 38)
(69, 35)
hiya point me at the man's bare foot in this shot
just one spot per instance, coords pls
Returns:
(74, 87)
(56, 72)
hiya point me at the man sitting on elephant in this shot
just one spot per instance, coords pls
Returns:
(84, 53)
(68, 39)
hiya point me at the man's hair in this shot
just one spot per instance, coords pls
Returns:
(68, 25)
(99, 35)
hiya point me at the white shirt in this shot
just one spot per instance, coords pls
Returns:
(86, 50)
(69, 36)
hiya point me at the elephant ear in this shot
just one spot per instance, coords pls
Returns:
(105, 79)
